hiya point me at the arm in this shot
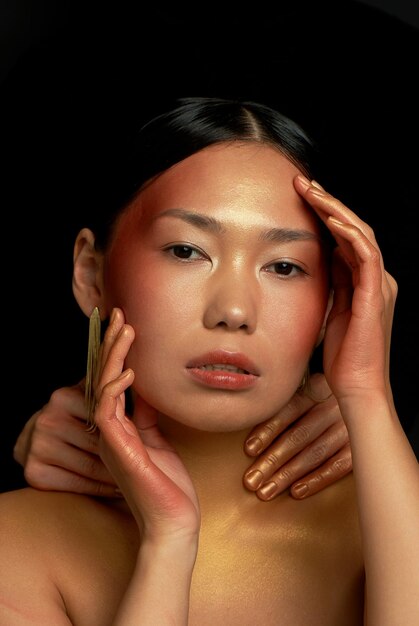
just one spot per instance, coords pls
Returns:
(157, 489)
(356, 365)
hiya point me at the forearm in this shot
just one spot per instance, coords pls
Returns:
(160, 586)
(387, 481)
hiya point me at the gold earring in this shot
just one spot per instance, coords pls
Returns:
(92, 365)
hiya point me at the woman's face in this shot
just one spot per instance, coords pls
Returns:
(219, 267)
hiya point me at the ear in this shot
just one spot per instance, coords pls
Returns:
(88, 274)
(326, 315)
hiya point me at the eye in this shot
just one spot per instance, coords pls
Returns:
(284, 268)
(185, 252)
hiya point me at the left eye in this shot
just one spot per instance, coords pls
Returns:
(284, 268)
(181, 251)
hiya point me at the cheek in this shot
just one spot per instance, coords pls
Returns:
(158, 307)
(294, 326)
(143, 295)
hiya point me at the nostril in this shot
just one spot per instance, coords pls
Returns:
(232, 325)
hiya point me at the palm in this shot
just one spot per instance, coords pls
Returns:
(153, 480)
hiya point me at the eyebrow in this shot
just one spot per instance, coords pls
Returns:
(196, 219)
(285, 235)
(276, 235)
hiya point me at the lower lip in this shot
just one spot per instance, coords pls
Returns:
(221, 379)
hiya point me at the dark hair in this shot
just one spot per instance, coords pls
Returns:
(194, 124)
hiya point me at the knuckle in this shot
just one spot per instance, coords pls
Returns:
(41, 449)
(45, 422)
(269, 430)
(342, 465)
(60, 396)
(271, 460)
(99, 489)
(87, 465)
(285, 475)
(294, 404)
(320, 390)
(318, 453)
(35, 474)
(319, 383)
(317, 481)
(91, 443)
(299, 436)
(375, 257)
(369, 231)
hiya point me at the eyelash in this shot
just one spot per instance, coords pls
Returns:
(170, 249)
(291, 268)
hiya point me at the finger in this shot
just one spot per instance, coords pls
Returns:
(107, 417)
(59, 479)
(307, 430)
(51, 452)
(51, 429)
(62, 418)
(327, 205)
(265, 433)
(342, 286)
(23, 443)
(68, 400)
(119, 344)
(358, 245)
(333, 470)
(311, 458)
(120, 443)
(142, 481)
(115, 324)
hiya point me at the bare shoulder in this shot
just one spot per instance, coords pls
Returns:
(39, 519)
(15, 504)
(52, 546)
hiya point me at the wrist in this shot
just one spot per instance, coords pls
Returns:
(177, 548)
(360, 406)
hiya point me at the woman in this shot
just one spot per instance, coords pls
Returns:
(216, 278)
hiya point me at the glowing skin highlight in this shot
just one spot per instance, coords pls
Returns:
(218, 261)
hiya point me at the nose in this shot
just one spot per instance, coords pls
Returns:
(231, 303)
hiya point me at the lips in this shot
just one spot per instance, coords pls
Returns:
(229, 361)
(220, 369)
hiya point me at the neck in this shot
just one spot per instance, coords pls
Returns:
(215, 461)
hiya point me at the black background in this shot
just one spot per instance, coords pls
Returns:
(74, 76)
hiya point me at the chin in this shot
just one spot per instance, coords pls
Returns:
(220, 419)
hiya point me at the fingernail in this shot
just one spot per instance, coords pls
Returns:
(268, 490)
(254, 479)
(254, 445)
(317, 185)
(300, 490)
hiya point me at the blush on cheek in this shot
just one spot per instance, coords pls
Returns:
(127, 282)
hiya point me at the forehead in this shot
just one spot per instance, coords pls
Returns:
(227, 168)
(227, 180)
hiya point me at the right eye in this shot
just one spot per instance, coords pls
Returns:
(185, 252)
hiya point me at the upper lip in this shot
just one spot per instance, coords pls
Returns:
(224, 357)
